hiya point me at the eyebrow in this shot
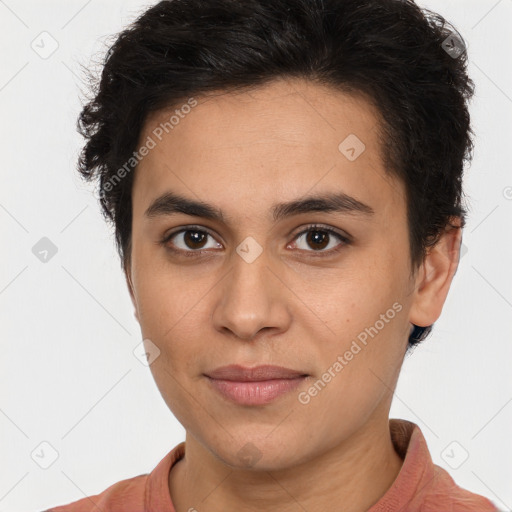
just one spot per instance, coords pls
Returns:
(171, 203)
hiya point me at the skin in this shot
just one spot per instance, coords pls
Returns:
(244, 152)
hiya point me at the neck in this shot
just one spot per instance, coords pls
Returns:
(355, 474)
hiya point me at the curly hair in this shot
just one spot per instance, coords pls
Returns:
(409, 62)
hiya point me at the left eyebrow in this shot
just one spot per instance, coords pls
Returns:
(171, 203)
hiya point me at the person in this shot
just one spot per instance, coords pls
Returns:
(285, 183)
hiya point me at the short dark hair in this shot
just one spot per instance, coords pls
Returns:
(407, 61)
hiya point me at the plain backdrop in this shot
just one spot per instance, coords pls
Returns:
(73, 396)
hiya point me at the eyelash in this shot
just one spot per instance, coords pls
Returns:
(312, 227)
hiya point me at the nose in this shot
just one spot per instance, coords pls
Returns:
(252, 298)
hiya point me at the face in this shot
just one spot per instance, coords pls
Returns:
(259, 288)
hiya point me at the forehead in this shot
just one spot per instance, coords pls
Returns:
(278, 141)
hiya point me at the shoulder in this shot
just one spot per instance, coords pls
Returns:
(421, 485)
(124, 496)
(444, 491)
(149, 491)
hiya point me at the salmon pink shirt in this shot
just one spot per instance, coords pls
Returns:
(420, 486)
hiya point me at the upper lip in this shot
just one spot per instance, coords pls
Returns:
(239, 373)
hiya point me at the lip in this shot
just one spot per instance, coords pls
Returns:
(235, 372)
(256, 392)
(254, 386)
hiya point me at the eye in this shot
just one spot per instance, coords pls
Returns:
(192, 241)
(189, 241)
(319, 237)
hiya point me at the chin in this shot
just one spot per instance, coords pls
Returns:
(262, 452)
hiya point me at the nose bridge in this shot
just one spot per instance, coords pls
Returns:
(250, 279)
(250, 300)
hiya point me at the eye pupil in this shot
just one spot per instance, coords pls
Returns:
(311, 237)
(194, 238)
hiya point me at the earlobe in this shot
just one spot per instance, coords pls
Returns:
(435, 277)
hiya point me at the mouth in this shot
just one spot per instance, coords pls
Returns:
(235, 372)
(254, 386)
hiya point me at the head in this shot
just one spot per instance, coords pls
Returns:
(239, 108)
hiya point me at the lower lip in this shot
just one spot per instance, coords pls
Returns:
(255, 393)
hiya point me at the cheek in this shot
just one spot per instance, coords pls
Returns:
(368, 342)
(357, 307)
(162, 300)
(354, 380)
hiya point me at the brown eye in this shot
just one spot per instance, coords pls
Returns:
(319, 237)
(188, 241)
(194, 239)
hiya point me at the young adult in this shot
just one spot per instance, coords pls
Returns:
(285, 183)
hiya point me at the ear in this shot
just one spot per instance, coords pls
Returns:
(435, 275)
(129, 282)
